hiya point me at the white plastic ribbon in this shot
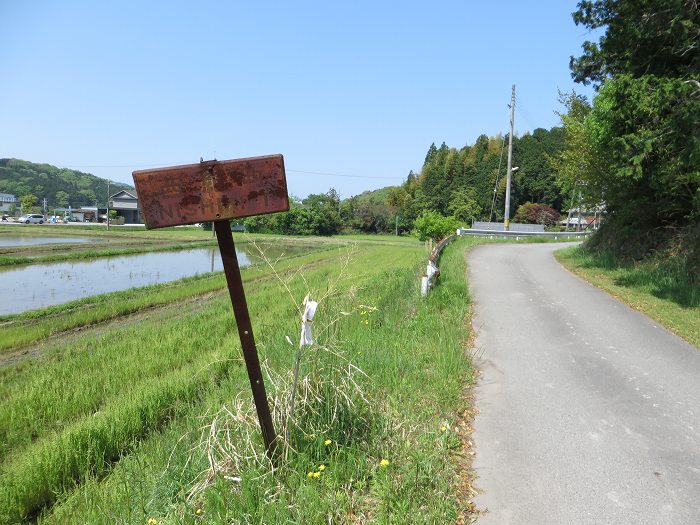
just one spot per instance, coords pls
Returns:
(306, 321)
(431, 270)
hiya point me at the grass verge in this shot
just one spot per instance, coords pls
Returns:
(114, 441)
(664, 291)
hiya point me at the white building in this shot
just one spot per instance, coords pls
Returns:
(7, 201)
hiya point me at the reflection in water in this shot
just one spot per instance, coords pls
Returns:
(36, 286)
(15, 240)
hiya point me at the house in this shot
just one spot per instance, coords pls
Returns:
(7, 200)
(126, 203)
(588, 222)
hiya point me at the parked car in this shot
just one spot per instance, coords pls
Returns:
(33, 218)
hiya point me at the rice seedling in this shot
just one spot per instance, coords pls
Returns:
(154, 421)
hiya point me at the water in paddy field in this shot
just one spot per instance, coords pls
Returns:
(40, 285)
(7, 241)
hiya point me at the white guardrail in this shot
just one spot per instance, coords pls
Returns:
(432, 272)
(493, 234)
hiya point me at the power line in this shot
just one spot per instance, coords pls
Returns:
(119, 165)
(130, 166)
(345, 175)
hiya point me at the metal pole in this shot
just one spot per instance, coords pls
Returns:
(578, 228)
(108, 204)
(506, 220)
(245, 332)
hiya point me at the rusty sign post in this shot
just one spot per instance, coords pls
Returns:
(216, 191)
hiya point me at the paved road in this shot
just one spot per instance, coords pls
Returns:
(589, 412)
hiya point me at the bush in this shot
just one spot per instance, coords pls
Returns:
(432, 225)
(533, 213)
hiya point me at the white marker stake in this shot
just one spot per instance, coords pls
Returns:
(306, 321)
(305, 339)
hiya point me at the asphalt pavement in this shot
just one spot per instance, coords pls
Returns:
(588, 411)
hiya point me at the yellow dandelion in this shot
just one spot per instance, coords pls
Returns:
(322, 468)
(310, 475)
(384, 463)
(317, 474)
(152, 521)
(443, 428)
(198, 512)
(328, 442)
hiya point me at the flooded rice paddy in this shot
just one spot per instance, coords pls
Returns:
(7, 241)
(40, 285)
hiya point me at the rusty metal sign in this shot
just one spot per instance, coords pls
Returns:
(212, 191)
(215, 191)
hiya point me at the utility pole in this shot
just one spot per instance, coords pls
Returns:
(506, 216)
(108, 204)
(578, 227)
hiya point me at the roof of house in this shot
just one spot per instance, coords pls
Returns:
(124, 194)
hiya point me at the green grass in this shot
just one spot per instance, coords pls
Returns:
(190, 233)
(107, 428)
(116, 242)
(30, 327)
(661, 289)
(378, 238)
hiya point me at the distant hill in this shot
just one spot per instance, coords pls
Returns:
(373, 197)
(20, 177)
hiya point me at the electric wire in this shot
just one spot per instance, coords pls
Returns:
(307, 172)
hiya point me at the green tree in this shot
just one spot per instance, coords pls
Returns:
(318, 214)
(535, 180)
(578, 162)
(28, 202)
(432, 225)
(432, 152)
(87, 197)
(534, 213)
(61, 199)
(645, 134)
(20, 177)
(464, 206)
(643, 128)
(642, 37)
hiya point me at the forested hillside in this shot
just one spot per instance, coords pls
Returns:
(461, 183)
(61, 187)
(456, 184)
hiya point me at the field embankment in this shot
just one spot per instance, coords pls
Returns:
(150, 420)
(132, 241)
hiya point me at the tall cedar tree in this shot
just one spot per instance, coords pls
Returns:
(644, 127)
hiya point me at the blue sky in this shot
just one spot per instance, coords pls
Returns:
(359, 88)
